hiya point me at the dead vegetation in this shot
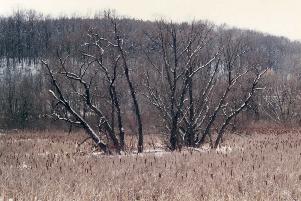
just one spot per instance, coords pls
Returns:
(250, 166)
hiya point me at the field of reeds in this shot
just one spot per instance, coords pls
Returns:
(261, 164)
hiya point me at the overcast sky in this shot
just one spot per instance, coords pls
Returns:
(278, 17)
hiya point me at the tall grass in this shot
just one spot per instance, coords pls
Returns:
(262, 165)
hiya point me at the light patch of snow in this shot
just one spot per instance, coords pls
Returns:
(157, 144)
(224, 149)
(24, 166)
(160, 152)
(156, 152)
(205, 148)
(31, 140)
(43, 154)
(97, 154)
(200, 150)
(220, 149)
(2, 132)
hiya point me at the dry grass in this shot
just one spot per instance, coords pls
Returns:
(259, 165)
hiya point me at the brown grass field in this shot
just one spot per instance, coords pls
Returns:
(261, 164)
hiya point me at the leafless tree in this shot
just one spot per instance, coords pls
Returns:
(175, 65)
(189, 112)
(103, 59)
(279, 101)
(234, 68)
(72, 116)
(125, 64)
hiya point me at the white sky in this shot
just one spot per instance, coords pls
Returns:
(278, 17)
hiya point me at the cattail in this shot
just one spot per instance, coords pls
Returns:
(286, 178)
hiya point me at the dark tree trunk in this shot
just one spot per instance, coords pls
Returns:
(119, 119)
(174, 133)
(132, 90)
(190, 129)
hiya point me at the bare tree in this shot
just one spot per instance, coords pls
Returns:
(73, 116)
(125, 65)
(235, 66)
(104, 58)
(193, 90)
(280, 100)
(178, 52)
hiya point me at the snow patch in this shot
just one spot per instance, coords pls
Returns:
(24, 166)
(224, 150)
(2, 132)
(31, 140)
(97, 154)
(43, 154)
(160, 152)
(156, 152)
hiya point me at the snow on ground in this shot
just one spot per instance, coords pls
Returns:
(24, 166)
(224, 149)
(43, 154)
(2, 132)
(160, 151)
(156, 152)
(31, 140)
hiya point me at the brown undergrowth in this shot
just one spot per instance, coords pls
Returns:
(258, 164)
